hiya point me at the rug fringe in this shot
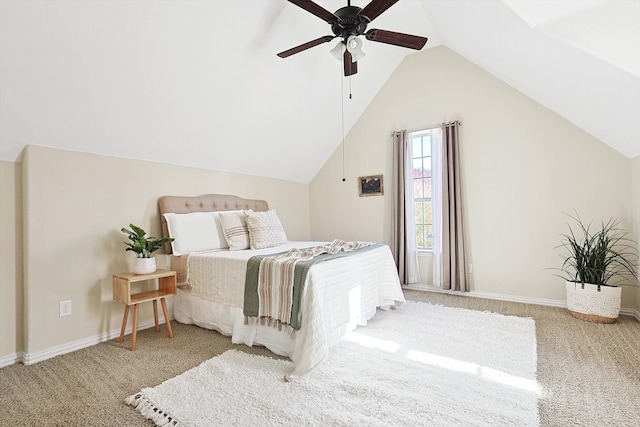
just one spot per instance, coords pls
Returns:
(150, 411)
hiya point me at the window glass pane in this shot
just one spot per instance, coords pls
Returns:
(428, 236)
(418, 188)
(426, 145)
(419, 213)
(428, 212)
(426, 161)
(420, 236)
(417, 147)
(426, 187)
(417, 168)
(428, 230)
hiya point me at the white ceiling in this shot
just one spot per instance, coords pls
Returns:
(198, 83)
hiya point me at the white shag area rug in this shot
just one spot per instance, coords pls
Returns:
(418, 365)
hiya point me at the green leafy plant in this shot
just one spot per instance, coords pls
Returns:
(142, 245)
(598, 257)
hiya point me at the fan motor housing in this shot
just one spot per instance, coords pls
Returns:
(351, 23)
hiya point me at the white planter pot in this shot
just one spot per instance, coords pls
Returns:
(600, 304)
(144, 265)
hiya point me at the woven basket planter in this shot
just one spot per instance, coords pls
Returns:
(594, 303)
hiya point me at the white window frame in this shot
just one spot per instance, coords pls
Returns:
(433, 153)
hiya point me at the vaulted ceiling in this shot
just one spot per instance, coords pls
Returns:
(198, 83)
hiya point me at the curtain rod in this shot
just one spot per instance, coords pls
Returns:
(429, 127)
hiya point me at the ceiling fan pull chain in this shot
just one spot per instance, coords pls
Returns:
(344, 179)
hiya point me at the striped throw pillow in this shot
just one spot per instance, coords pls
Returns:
(234, 227)
(265, 229)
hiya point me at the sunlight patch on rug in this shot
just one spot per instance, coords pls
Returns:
(421, 364)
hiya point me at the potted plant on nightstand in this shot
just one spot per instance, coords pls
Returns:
(594, 264)
(143, 246)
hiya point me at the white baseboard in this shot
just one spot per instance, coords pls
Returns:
(489, 295)
(512, 298)
(11, 359)
(39, 356)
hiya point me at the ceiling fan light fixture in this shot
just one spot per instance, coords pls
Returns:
(338, 50)
(348, 23)
(354, 46)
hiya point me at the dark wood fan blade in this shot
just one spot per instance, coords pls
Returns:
(375, 8)
(350, 67)
(305, 46)
(317, 10)
(397, 39)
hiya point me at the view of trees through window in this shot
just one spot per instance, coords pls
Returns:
(421, 146)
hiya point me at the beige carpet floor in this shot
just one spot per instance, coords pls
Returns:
(589, 373)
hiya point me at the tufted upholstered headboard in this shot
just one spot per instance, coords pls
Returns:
(204, 203)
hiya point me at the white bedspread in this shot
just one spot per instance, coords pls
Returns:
(220, 275)
(339, 295)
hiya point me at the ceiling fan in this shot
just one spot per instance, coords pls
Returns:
(348, 23)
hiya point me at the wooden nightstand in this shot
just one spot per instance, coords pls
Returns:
(122, 293)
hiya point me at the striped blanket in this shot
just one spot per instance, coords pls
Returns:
(275, 283)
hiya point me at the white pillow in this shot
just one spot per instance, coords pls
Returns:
(234, 228)
(195, 232)
(265, 229)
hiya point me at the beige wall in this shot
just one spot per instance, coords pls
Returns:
(11, 283)
(75, 205)
(523, 166)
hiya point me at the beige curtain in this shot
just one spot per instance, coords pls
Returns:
(403, 234)
(454, 258)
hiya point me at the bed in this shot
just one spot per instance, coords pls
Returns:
(213, 265)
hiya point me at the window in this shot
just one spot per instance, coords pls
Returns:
(421, 143)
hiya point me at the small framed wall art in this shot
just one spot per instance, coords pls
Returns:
(370, 186)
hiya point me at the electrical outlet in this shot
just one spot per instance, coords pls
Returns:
(470, 269)
(65, 308)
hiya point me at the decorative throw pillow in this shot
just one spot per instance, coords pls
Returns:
(195, 232)
(265, 229)
(234, 227)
